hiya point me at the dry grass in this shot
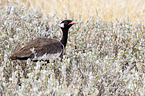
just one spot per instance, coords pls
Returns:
(107, 10)
(102, 58)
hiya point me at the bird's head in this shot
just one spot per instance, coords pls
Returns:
(66, 24)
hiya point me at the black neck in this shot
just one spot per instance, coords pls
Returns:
(64, 37)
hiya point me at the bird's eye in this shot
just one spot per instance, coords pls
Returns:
(65, 22)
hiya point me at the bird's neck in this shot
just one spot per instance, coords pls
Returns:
(64, 37)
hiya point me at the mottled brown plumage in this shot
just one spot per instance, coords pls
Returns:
(41, 46)
(44, 47)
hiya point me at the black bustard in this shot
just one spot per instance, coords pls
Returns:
(44, 48)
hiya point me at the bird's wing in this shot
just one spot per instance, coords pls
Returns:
(38, 47)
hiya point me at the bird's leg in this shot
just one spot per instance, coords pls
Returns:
(57, 72)
(24, 69)
(18, 80)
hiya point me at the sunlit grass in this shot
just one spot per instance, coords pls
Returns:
(102, 58)
(107, 10)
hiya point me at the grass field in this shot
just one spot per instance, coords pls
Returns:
(105, 54)
(107, 10)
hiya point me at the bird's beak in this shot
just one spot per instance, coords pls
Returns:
(72, 23)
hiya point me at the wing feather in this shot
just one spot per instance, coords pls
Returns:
(41, 46)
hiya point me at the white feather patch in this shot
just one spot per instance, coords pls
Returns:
(47, 56)
(62, 25)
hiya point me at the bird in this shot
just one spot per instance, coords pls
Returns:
(44, 48)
